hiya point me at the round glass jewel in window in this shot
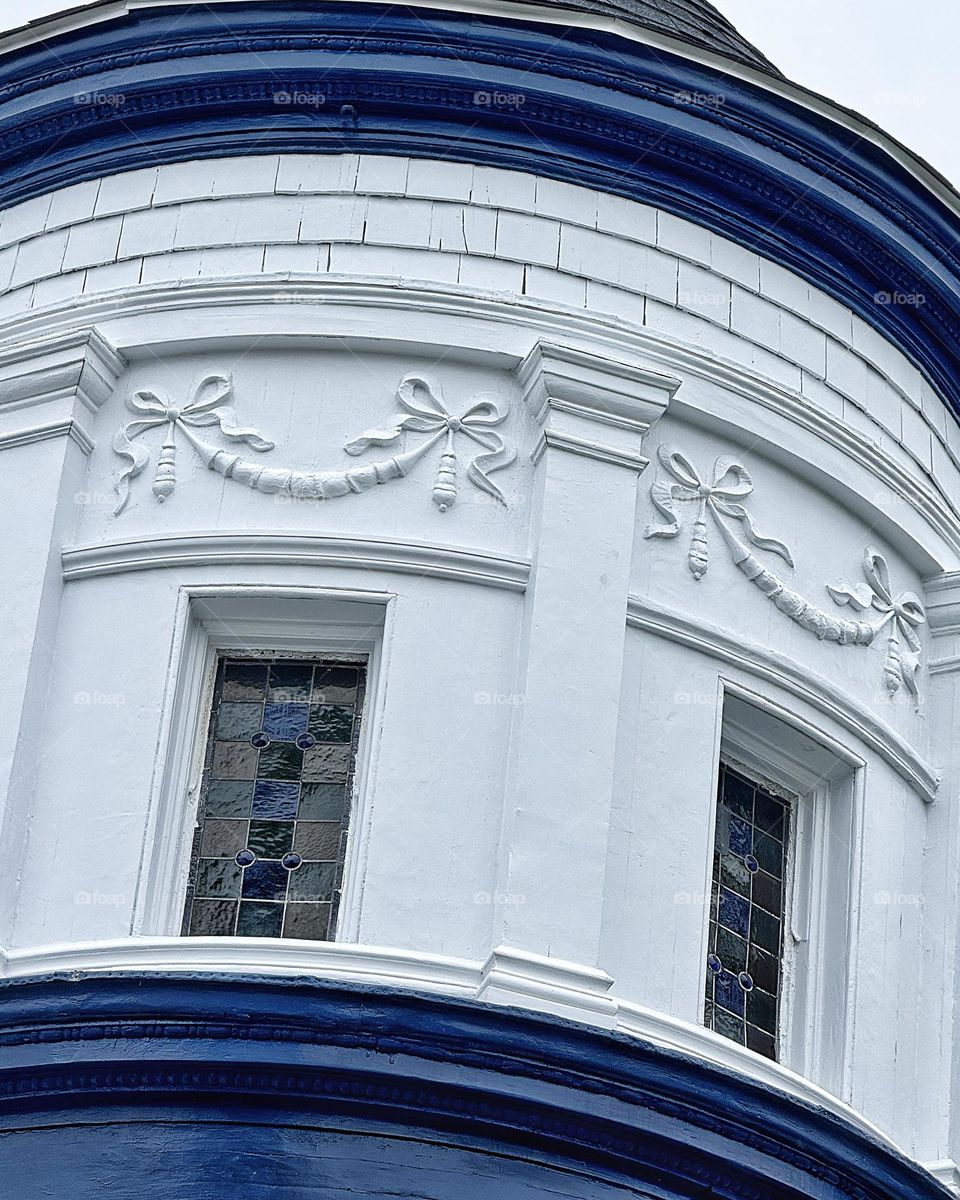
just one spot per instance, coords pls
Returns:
(714, 964)
(305, 741)
(751, 864)
(260, 740)
(745, 981)
(291, 861)
(245, 858)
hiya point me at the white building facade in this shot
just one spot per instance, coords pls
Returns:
(451, 565)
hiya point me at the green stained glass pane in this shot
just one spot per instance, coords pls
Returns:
(331, 722)
(238, 721)
(307, 921)
(335, 685)
(260, 918)
(322, 802)
(222, 839)
(317, 839)
(280, 760)
(218, 877)
(234, 760)
(270, 839)
(213, 918)
(229, 798)
(326, 764)
(244, 681)
(313, 881)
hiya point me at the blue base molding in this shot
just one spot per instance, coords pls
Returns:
(176, 83)
(147, 1085)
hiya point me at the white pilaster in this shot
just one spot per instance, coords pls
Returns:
(591, 415)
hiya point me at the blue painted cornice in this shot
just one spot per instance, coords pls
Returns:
(724, 149)
(269, 1062)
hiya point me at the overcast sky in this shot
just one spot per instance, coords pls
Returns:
(893, 62)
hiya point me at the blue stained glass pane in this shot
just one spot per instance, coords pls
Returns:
(734, 912)
(265, 881)
(269, 847)
(272, 798)
(285, 722)
(728, 993)
(741, 836)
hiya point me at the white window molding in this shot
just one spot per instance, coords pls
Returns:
(824, 781)
(209, 622)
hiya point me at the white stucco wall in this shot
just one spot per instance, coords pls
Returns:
(551, 690)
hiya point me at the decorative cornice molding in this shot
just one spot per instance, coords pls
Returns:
(395, 1060)
(70, 429)
(250, 548)
(599, 388)
(607, 339)
(399, 88)
(942, 594)
(946, 1172)
(511, 976)
(783, 672)
(587, 448)
(508, 977)
(74, 364)
(590, 405)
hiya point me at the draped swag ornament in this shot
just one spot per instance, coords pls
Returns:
(424, 413)
(721, 499)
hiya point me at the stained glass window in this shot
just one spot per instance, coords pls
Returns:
(275, 800)
(745, 953)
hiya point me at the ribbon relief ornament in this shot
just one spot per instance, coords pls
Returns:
(721, 498)
(424, 409)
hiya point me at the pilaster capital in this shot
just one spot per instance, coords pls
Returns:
(591, 405)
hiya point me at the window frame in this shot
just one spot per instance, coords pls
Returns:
(826, 782)
(216, 621)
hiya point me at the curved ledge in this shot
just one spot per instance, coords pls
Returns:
(241, 1055)
(763, 663)
(796, 184)
(316, 550)
(518, 321)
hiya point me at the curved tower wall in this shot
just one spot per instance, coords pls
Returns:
(557, 668)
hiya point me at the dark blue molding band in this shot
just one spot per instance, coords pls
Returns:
(202, 1066)
(172, 84)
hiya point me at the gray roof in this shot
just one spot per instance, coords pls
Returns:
(696, 22)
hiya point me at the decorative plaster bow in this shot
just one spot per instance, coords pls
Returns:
(154, 412)
(731, 482)
(421, 398)
(904, 614)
